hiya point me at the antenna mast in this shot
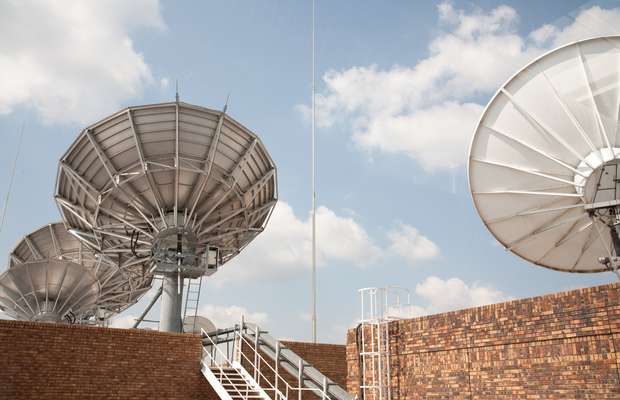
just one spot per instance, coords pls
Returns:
(12, 178)
(313, 177)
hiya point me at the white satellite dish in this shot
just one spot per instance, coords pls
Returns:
(544, 163)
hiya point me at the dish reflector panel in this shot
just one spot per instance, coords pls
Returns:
(48, 291)
(123, 278)
(543, 160)
(167, 181)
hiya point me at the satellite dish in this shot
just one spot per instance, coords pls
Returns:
(544, 163)
(123, 280)
(193, 324)
(184, 186)
(49, 291)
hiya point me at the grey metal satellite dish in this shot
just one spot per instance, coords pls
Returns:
(544, 161)
(193, 324)
(122, 277)
(48, 290)
(185, 185)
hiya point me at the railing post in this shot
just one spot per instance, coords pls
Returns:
(256, 351)
(324, 387)
(277, 363)
(300, 374)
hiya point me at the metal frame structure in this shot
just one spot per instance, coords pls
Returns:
(187, 186)
(379, 306)
(49, 291)
(120, 280)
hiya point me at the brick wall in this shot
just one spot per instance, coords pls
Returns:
(327, 358)
(52, 361)
(47, 361)
(559, 346)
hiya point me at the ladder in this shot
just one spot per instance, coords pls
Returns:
(192, 300)
(379, 307)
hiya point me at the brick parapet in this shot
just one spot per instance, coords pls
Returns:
(555, 346)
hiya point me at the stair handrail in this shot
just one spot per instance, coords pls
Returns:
(256, 369)
(300, 389)
(290, 360)
(214, 361)
(238, 334)
(277, 375)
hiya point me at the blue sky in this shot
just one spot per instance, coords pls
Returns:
(400, 85)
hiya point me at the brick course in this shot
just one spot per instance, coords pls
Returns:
(80, 362)
(559, 346)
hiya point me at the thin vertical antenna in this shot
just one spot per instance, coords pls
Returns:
(12, 178)
(176, 96)
(227, 101)
(313, 175)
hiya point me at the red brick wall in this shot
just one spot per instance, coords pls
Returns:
(560, 346)
(327, 358)
(47, 361)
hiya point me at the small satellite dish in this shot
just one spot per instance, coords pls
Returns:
(49, 291)
(191, 325)
(544, 163)
(122, 280)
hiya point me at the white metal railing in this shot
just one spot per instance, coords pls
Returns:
(269, 378)
(219, 361)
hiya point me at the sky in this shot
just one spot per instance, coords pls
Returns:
(400, 87)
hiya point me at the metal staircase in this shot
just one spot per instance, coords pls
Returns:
(267, 367)
(233, 383)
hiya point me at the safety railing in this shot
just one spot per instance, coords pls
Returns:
(218, 360)
(270, 378)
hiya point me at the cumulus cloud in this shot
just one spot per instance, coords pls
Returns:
(73, 61)
(426, 111)
(409, 243)
(439, 295)
(452, 294)
(284, 248)
(227, 316)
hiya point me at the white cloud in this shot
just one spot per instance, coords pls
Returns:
(436, 136)
(439, 295)
(426, 111)
(284, 248)
(409, 243)
(453, 294)
(73, 61)
(227, 316)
